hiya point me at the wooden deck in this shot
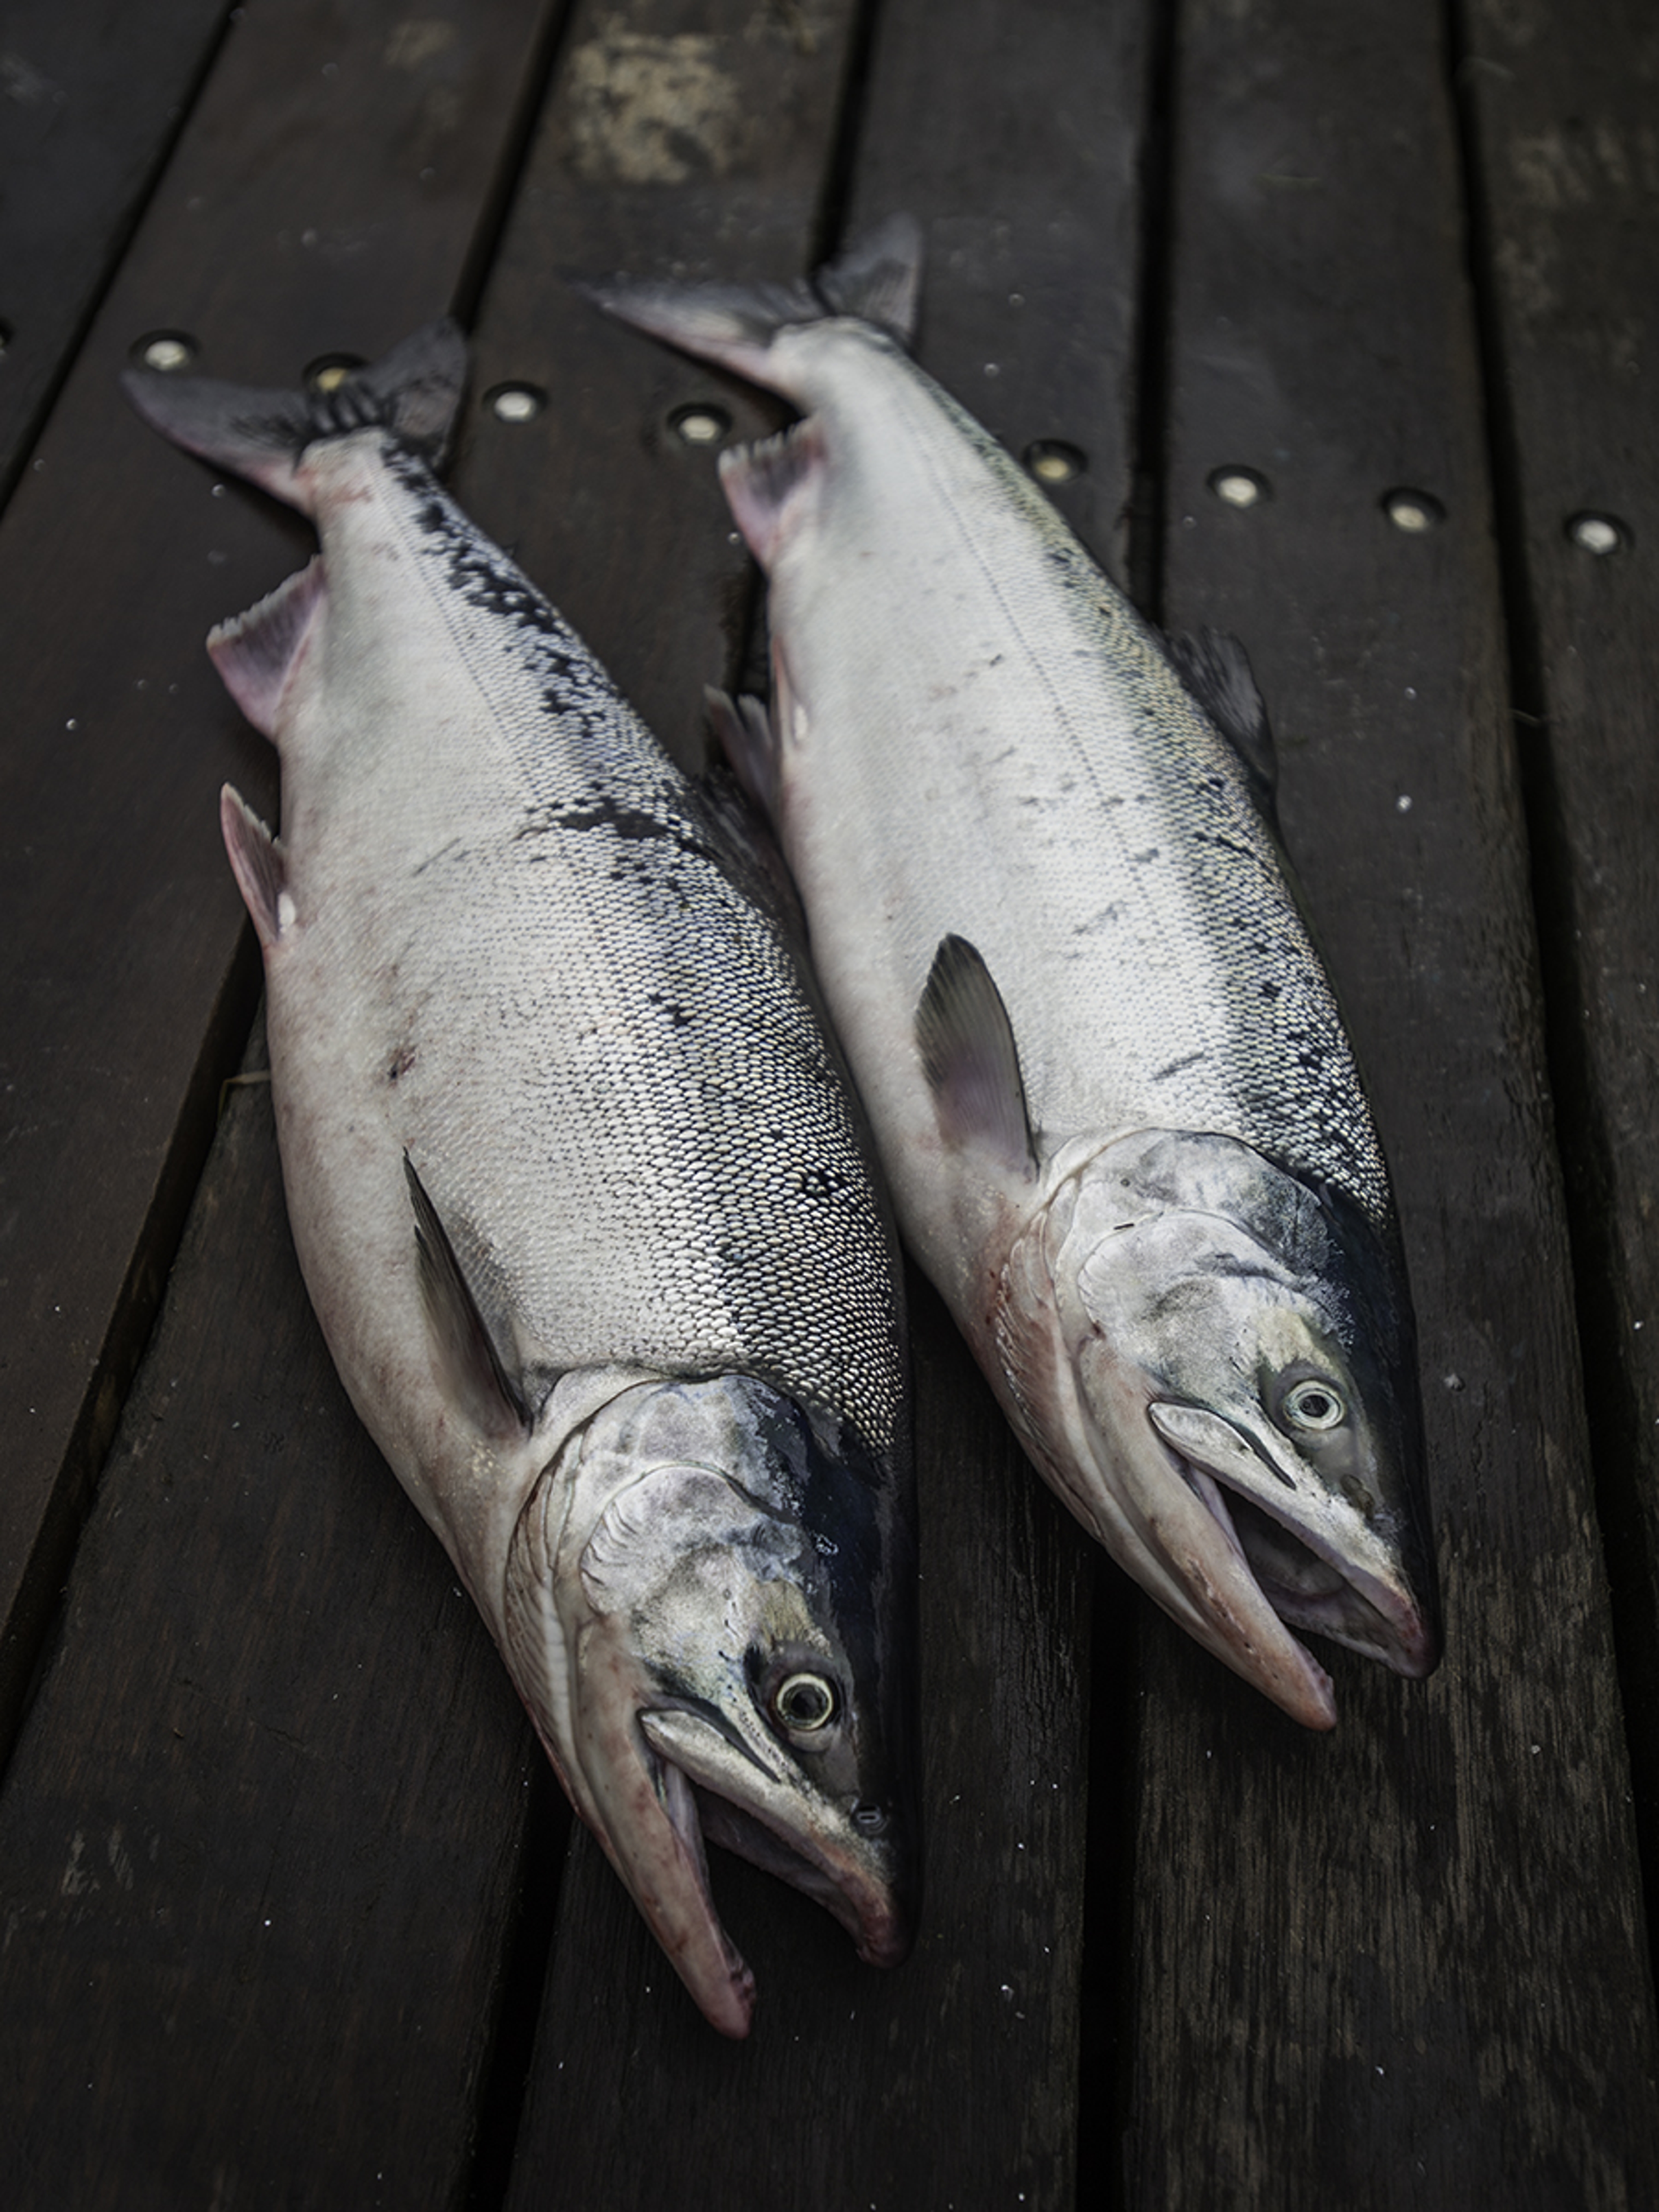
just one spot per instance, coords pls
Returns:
(291, 1913)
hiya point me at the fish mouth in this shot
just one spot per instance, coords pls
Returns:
(1205, 1579)
(1157, 1508)
(1341, 1582)
(1152, 1324)
(850, 1863)
(657, 1785)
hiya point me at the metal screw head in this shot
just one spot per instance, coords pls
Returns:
(167, 350)
(515, 403)
(1051, 461)
(1238, 487)
(702, 423)
(330, 371)
(1597, 533)
(1413, 511)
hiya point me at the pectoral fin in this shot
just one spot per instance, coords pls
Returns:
(971, 1061)
(463, 1353)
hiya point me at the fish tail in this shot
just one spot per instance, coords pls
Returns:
(414, 391)
(878, 280)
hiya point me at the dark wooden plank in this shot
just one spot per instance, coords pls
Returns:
(91, 92)
(261, 1842)
(952, 2080)
(1402, 1965)
(325, 195)
(1563, 103)
(683, 137)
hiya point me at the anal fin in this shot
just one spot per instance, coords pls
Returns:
(258, 862)
(747, 739)
(255, 653)
(463, 1353)
(969, 1055)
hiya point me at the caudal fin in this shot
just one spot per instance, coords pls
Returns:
(414, 391)
(878, 280)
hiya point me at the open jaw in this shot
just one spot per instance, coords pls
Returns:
(677, 1797)
(1339, 1580)
(848, 1861)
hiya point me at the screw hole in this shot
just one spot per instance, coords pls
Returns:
(330, 371)
(1416, 513)
(166, 350)
(1600, 534)
(1051, 461)
(1238, 487)
(701, 424)
(515, 403)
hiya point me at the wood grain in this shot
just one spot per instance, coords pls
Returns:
(262, 1841)
(690, 139)
(91, 92)
(1562, 104)
(1401, 1967)
(323, 196)
(276, 1851)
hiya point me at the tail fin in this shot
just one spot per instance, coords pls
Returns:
(413, 391)
(878, 280)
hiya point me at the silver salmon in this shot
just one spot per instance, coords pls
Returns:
(1110, 1088)
(580, 1194)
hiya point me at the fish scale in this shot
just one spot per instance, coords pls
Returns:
(1135, 1007)
(1108, 1081)
(579, 1190)
(630, 1075)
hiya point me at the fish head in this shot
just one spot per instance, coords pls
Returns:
(1233, 1367)
(710, 1614)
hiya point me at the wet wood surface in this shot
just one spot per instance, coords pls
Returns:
(1566, 181)
(286, 1914)
(1417, 1926)
(91, 97)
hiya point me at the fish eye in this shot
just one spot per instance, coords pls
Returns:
(804, 1703)
(1314, 1405)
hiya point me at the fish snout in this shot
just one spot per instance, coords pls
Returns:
(855, 1855)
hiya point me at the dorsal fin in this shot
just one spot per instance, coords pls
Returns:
(463, 1353)
(970, 1059)
(1216, 669)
